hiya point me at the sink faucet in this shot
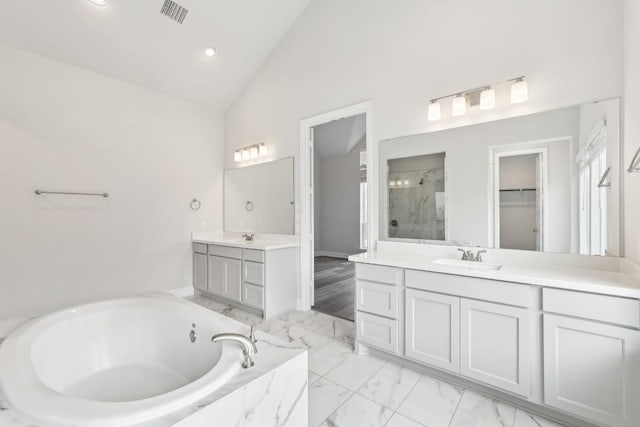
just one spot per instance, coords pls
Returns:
(248, 237)
(248, 344)
(469, 256)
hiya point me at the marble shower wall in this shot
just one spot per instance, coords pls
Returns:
(417, 204)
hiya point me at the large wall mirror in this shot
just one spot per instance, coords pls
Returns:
(260, 198)
(545, 182)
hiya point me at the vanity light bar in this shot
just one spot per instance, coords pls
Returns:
(250, 152)
(485, 94)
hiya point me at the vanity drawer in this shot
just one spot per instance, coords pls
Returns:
(253, 272)
(470, 287)
(377, 331)
(376, 298)
(253, 255)
(225, 251)
(200, 248)
(379, 273)
(605, 308)
(253, 295)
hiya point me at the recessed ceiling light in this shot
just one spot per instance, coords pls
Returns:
(209, 51)
(99, 2)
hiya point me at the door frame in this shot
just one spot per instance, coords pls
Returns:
(496, 153)
(306, 190)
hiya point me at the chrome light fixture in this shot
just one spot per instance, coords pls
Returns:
(483, 97)
(434, 111)
(250, 152)
(487, 99)
(459, 105)
(519, 91)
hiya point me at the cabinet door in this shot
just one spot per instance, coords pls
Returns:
(495, 345)
(233, 279)
(432, 329)
(377, 331)
(253, 296)
(253, 272)
(592, 370)
(217, 275)
(200, 271)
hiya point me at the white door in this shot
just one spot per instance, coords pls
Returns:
(233, 279)
(592, 370)
(495, 345)
(200, 271)
(432, 329)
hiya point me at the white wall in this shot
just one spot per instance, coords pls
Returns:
(64, 128)
(337, 203)
(632, 127)
(342, 52)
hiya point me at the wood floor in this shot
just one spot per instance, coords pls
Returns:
(334, 286)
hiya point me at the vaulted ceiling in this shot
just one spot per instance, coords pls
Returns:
(132, 41)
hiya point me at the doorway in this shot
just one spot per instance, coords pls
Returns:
(339, 211)
(519, 186)
(334, 216)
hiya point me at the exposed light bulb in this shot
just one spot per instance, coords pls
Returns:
(209, 51)
(262, 148)
(99, 2)
(237, 156)
(487, 99)
(459, 105)
(434, 113)
(406, 182)
(246, 154)
(519, 91)
(253, 151)
(392, 183)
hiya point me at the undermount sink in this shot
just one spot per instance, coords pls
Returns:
(470, 265)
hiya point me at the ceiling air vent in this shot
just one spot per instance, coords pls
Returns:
(174, 11)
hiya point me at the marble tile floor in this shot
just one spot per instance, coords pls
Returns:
(347, 390)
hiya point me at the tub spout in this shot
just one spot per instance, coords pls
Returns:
(248, 346)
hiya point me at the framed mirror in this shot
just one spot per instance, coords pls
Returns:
(260, 198)
(546, 182)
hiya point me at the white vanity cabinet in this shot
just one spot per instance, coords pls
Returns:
(200, 279)
(379, 306)
(592, 368)
(432, 329)
(225, 277)
(495, 345)
(260, 280)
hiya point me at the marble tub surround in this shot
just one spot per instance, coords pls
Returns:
(260, 241)
(580, 273)
(347, 390)
(279, 367)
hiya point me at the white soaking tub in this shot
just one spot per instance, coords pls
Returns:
(114, 363)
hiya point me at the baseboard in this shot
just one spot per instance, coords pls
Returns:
(332, 254)
(187, 291)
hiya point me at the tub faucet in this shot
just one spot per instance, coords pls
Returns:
(248, 346)
(248, 237)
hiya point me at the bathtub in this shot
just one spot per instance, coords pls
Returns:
(114, 363)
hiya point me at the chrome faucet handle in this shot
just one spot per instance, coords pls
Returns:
(479, 255)
(252, 336)
(464, 254)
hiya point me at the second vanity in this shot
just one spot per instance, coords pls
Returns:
(258, 276)
(563, 339)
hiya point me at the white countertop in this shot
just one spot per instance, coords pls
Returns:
(596, 281)
(259, 242)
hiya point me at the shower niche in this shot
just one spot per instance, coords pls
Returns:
(416, 197)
